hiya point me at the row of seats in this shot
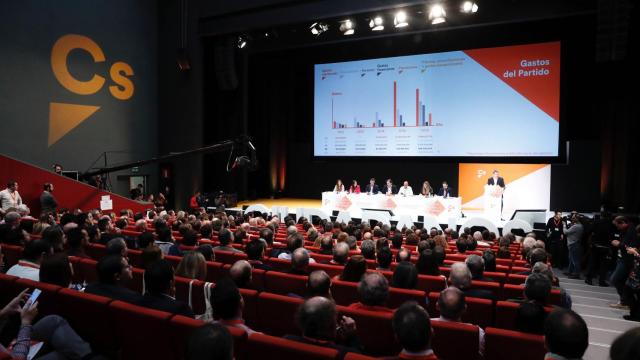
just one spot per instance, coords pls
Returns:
(128, 327)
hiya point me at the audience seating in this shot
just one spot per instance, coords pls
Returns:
(266, 347)
(276, 314)
(503, 344)
(374, 331)
(12, 253)
(455, 340)
(479, 311)
(283, 283)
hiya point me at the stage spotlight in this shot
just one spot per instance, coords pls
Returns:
(437, 15)
(347, 27)
(318, 28)
(400, 20)
(242, 41)
(376, 24)
(469, 7)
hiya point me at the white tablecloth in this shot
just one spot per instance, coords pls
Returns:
(414, 206)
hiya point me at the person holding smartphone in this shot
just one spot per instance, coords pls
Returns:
(45, 330)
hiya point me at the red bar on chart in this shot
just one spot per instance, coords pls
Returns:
(417, 107)
(334, 124)
(395, 113)
(430, 124)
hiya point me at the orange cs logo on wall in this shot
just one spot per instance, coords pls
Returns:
(65, 117)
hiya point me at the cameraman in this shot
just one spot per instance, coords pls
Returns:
(601, 234)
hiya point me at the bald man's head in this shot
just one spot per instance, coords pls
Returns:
(373, 289)
(316, 318)
(451, 303)
(460, 276)
(240, 273)
(319, 284)
(300, 259)
(340, 253)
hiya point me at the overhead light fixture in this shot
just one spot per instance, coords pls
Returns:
(377, 23)
(469, 7)
(437, 15)
(318, 28)
(347, 27)
(400, 20)
(242, 41)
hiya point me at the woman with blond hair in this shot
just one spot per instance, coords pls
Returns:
(192, 266)
(427, 190)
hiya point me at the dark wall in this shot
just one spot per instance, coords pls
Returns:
(280, 106)
(125, 31)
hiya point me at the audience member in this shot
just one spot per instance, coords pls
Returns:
(537, 288)
(228, 305)
(56, 269)
(192, 266)
(460, 277)
(489, 258)
(340, 254)
(255, 253)
(403, 255)
(240, 273)
(412, 327)
(427, 264)
(626, 346)
(29, 266)
(160, 286)
(299, 262)
(405, 276)
(208, 342)
(78, 239)
(225, 237)
(368, 249)
(373, 290)
(114, 272)
(117, 246)
(451, 305)
(150, 255)
(319, 284)
(566, 335)
(207, 251)
(354, 269)
(320, 325)
(384, 258)
(475, 264)
(530, 318)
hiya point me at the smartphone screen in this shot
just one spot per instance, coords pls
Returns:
(34, 296)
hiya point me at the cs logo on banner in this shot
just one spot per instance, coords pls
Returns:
(65, 117)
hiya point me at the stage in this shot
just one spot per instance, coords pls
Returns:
(467, 218)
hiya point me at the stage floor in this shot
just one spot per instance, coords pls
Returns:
(289, 202)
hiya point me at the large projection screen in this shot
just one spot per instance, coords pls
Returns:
(492, 102)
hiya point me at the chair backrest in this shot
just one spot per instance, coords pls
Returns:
(99, 328)
(12, 254)
(344, 292)
(283, 283)
(374, 331)
(136, 325)
(96, 251)
(479, 311)
(135, 257)
(502, 344)
(497, 276)
(278, 264)
(429, 283)
(89, 269)
(266, 347)
(174, 260)
(355, 356)
(276, 314)
(9, 288)
(226, 257)
(215, 271)
(331, 270)
(455, 340)
(516, 279)
(250, 312)
(398, 296)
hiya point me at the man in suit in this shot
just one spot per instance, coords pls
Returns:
(372, 188)
(460, 277)
(445, 191)
(48, 202)
(114, 272)
(497, 180)
(389, 188)
(161, 289)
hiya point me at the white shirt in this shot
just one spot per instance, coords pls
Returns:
(25, 270)
(405, 191)
(336, 189)
(9, 199)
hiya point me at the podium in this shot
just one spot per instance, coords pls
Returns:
(493, 201)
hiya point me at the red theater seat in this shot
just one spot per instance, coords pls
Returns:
(283, 283)
(173, 260)
(354, 356)
(9, 288)
(96, 251)
(479, 311)
(455, 340)
(12, 254)
(250, 312)
(135, 325)
(398, 296)
(88, 267)
(226, 257)
(429, 283)
(505, 344)
(276, 314)
(215, 271)
(331, 270)
(374, 331)
(94, 321)
(345, 292)
(278, 264)
(135, 258)
(516, 279)
(265, 347)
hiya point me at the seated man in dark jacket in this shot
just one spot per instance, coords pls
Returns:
(160, 284)
(318, 320)
(113, 273)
